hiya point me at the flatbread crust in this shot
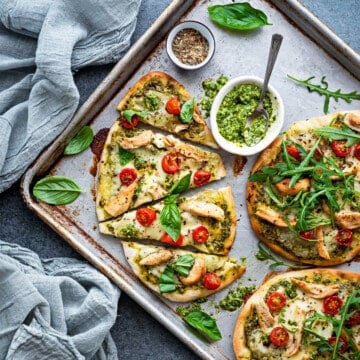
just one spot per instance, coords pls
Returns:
(164, 87)
(225, 267)
(152, 183)
(214, 209)
(331, 277)
(268, 232)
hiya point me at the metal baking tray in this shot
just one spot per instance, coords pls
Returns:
(309, 48)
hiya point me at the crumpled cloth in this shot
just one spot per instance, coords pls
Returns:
(41, 43)
(56, 309)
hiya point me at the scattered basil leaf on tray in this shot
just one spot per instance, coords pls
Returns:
(128, 114)
(238, 16)
(204, 323)
(322, 89)
(80, 142)
(56, 190)
(187, 111)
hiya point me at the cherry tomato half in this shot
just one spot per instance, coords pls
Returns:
(276, 301)
(308, 234)
(318, 154)
(129, 124)
(344, 237)
(342, 342)
(173, 106)
(294, 151)
(145, 216)
(354, 319)
(127, 176)
(357, 151)
(332, 305)
(211, 281)
(166, 238)
(340, 149)
(171, 163)
(200, 234)
(279, 336)
(201, 177)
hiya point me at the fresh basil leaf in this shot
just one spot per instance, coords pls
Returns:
(166, 281)
(128, 114)
(80, 142)
(204, 323)
(181, 185)
(344, 133)
(238, 16)
(56, 190)
(183, 264)
(125, 156)
(187, 111)
(170, 220)
(171, 199)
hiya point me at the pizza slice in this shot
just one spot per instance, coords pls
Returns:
(303, 194)
(165, 103)
(138, 166)
(306, 314)
(181, 275)
(208, 222)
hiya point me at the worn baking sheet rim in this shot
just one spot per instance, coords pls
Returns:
(313, 27)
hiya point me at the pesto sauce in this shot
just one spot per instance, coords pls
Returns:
(235, 298)
(236, 106)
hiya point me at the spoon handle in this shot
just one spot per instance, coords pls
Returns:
(274, 50)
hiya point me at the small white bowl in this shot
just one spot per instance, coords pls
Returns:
(273, 130)
(203, 30)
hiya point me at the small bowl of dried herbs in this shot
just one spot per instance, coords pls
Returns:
(190, 45)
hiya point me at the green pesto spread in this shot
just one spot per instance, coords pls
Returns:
(236, 106)
(152, 102)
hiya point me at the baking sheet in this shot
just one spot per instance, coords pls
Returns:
(236, 54)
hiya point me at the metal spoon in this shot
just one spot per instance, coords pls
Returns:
(260, 110)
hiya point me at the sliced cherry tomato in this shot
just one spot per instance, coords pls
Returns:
(201, 177)
(318, 154)
(200, 234)
(276, 301)
(145, 216)
(357, 151)
(340, 149)
(166, 238)
(344, 237)
(354, 319)
(279, 336)
(211, 281)
(173, 106)
(127, 176)
(294, 151)
(332, 305)
(342, 342)
(171, 163)
(308, 234)
(129, 124)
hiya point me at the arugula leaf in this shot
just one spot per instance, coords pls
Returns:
(183, 264)
(181, 185)
(167, 281)
(345, 133)
(56, 190)
(187, 111)
(322, 89)
(203, 322)
(128, 114)
(238, 16)
(125, 156)
(170, 219)
(80, 142)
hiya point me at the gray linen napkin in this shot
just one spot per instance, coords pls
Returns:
(54, 309)
(41, 43)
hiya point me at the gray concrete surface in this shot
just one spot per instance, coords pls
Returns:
(137, 335)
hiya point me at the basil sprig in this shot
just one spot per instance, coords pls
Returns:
(187, 111)
(238, 16)
(128, 114)
(125, 156)
(170, 218)
(56, 190)
(80, 142)
(204, 323)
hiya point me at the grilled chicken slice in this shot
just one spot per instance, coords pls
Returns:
(267, 213)
(301, 185)
(203, 208)
(320, 244)
(143, 139)
(157, 258)
(196, 273)
(352, 121)
(316, 291)
(295, 341)
(265, 318)
(348, 219)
